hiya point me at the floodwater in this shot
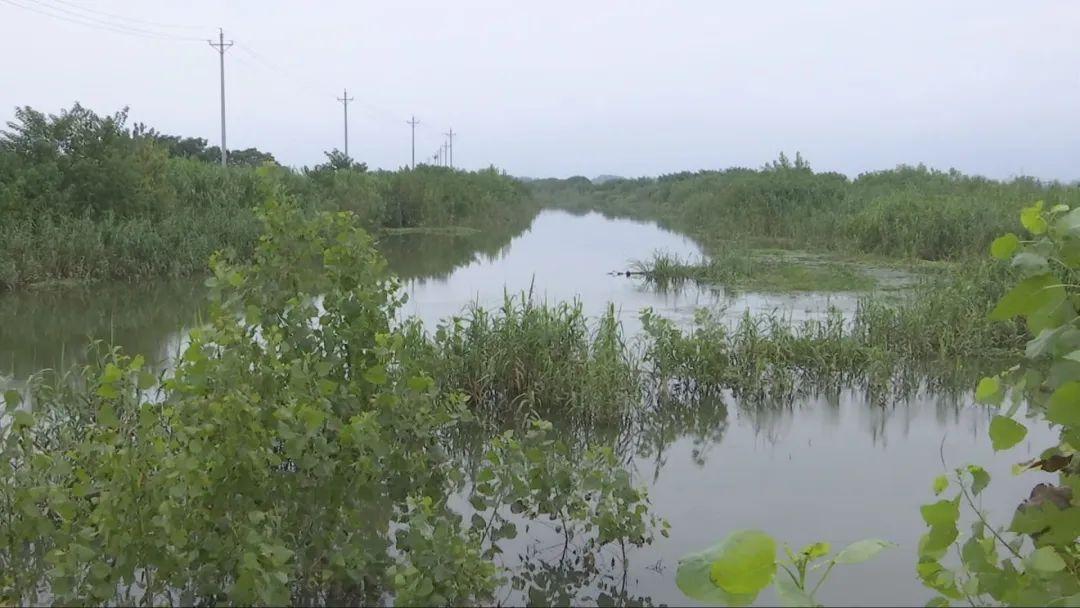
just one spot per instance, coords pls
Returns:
(835, 467)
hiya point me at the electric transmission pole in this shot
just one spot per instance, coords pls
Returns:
(413, 122)
(444, 155)
(221, 47)
(450, 135)
(345, 99)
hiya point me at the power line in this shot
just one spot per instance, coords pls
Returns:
(131, 19)
(113, 23)
(93, 22)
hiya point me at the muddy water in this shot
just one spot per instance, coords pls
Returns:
(835, 467)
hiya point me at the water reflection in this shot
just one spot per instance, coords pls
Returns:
(51, 329)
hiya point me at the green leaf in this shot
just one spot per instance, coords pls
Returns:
(816, 550)
(1045, 560)
(376, 375)
(694, 580)
(861, 551)
(1032, 219)
(940, 483)
(1064, 405)
(311, 417)
(941, 512)
(107, 415)
(1006, 432)
(12, 398)
(146, 380)
(1004, 246)
(22, 418)
(979, 478)
(746, 563)
(1029, 296)
(989, 391)
(420, 384)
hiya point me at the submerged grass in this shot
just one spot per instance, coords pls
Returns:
(432, 230)
(747, 269)
(941, 326)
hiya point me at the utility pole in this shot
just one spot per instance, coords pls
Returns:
(450, 135)
(444, 155)
(413, 122)
(345, 99)
(221, 47)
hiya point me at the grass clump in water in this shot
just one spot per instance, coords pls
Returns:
(534, 357)
(749, 270)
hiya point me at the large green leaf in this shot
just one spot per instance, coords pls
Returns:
(861, 550)
(941, 512)
(1029, 296)
(1045, 560)
(694, 580)
(1032, 219)
(1064, 406)
(1006, 432)
(746, 563)
(1004, 246)
(989, 391)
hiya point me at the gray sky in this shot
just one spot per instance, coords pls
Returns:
(584, 87)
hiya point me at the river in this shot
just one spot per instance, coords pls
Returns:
(835, 467)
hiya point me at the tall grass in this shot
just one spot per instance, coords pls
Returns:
(531, 357)
(201, 208)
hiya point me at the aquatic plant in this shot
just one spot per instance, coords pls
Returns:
(734, 571)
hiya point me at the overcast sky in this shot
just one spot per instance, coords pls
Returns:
(583, 87)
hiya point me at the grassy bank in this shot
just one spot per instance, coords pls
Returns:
(907, 212)
(84, 198)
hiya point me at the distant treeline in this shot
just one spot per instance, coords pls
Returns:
(84, 197)
(912, 212)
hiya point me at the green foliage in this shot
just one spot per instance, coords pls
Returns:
(1035, 560)
(734, 571)
(296, 454)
